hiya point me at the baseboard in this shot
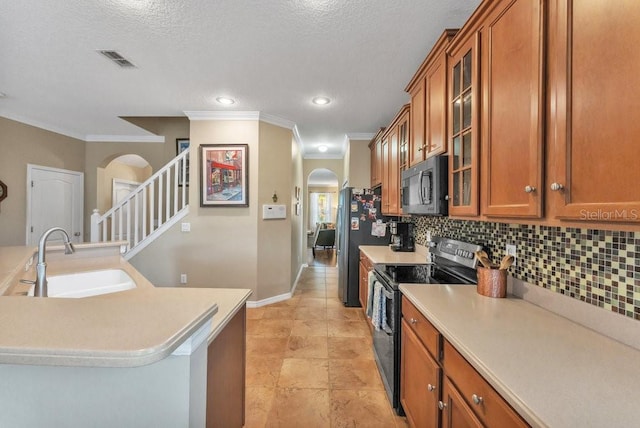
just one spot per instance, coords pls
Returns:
(269, 300)
(280, 297)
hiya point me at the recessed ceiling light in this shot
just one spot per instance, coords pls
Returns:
(321, 101)
(226, 100)
(323, 149)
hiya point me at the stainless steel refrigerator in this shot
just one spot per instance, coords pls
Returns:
(359, 215)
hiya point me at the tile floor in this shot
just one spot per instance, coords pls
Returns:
(310, 362)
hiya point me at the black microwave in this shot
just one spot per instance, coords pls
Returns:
(425, 187)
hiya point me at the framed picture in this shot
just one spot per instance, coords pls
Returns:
(182, 144)
(224, 175)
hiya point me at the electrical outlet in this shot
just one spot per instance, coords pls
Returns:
(511, 250)
(185, 227)
(183, 278)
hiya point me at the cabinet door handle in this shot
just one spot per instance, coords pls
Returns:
(413, 321)
(529, 189)
(477, 399)
(442, 405)
(556, 186)
(420, 149)
(431, 388)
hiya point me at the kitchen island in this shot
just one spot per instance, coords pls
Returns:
(552, 371)
(141, 357)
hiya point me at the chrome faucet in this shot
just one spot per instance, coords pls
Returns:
(40, 289)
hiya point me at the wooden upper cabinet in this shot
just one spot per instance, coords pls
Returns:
(403, 141)
(416, 133)
(386, 164)
(512, 69)
(394, 172)
(376, 158)
(594, 94)
(391, 204)
(463, 129)
(428, 91)
(436, 107)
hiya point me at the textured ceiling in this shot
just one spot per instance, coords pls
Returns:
(271, 56)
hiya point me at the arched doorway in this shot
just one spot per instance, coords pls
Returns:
(117, 176)
(322, 196)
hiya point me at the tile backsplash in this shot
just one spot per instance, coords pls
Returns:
(599, 267)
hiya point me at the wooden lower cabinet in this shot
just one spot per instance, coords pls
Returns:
(455, 411)
(226, 375)
(420, 381)
(363, 284)
(364, 277)
(438, 387)
(490, 408)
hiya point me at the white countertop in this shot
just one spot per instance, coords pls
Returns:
(552, 371)
(381, 254)
(124, 329)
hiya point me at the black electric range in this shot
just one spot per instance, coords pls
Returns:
(452, 262)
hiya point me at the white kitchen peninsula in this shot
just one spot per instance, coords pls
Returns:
(141, 357)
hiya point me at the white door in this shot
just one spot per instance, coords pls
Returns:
(122, 189)
(55, 197)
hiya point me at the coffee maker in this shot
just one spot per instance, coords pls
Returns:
(401, 236)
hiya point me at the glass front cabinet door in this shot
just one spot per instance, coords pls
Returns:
(463, 128)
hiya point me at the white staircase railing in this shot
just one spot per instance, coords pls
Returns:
(149, 210)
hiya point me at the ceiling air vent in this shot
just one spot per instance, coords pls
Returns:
(117, 58)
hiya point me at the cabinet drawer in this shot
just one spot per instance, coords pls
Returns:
(488, 405)
(425, 331)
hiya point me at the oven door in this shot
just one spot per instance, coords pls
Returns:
(386, 345)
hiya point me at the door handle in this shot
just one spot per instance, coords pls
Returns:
(76, 234)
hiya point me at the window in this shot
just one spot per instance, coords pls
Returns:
(320, 209)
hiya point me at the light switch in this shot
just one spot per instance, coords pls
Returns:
(185, 227)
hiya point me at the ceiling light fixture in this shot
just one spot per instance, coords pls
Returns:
(226, 100)
(323, 149)
(321, 101)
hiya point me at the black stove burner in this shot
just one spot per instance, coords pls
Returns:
(394, 275)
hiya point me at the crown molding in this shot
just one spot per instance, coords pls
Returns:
(44, 126)
(90, 138)
(298, 138)
(276, 120)
(223, 115)
(323, 156)
(240, 115)
(360, 136)
(124, 138)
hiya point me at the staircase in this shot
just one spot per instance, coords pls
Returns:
(148, 211)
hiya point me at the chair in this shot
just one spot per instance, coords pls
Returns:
(323, 238)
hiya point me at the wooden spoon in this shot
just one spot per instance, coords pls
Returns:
(483, 258)
(506, 262)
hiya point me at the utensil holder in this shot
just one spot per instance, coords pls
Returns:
(492, 282)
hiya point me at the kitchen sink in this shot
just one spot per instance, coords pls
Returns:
(85, 284)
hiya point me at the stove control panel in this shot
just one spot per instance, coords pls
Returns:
(459, 252)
